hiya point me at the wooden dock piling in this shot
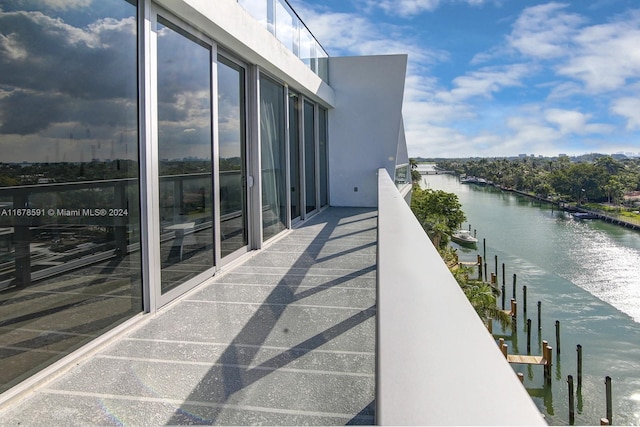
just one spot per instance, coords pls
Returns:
(558, 336)
(524, 299)
(572, 414)
(514, 285)
(579, 351)
(539, 315)
(607, 383)
(484, 250)
(528, 336)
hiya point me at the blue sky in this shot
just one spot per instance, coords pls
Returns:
(501, 77)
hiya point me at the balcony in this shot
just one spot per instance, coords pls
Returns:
(351, 318)
(283, 22)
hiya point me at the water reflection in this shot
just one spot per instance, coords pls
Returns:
(570, 267)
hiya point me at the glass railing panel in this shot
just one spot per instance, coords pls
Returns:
(282, 21)
(323, 63)
(286, 26)
(307, 48)
(402, 173)
(257, 9)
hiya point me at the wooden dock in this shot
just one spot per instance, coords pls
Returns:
(521, 359)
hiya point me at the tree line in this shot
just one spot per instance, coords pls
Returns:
(440, 214)
(599, 179)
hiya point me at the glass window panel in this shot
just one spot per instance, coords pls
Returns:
(69, 190)
(294, 154)
(322, 145)
(184, 153)
(273, 157)
(231, 137)
(309, 157)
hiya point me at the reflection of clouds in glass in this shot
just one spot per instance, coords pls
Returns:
(59, 80)
(64, 4)
(229, 127)
(229, 117)
(184, 97)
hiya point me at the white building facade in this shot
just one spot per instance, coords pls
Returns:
(147, 145)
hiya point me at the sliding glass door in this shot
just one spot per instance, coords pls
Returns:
(309, 157)
(294, 156)
(273, 157)
(232, 156)
(185, 164)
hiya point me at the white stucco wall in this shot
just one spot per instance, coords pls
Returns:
(366, 125)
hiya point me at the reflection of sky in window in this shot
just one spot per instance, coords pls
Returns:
(257, 9)
(68, 88)
(307, 44)
(184, 90)
(229, 131)
(286, 30)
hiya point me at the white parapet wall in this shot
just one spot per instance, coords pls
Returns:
(437, 363)
(366, 127)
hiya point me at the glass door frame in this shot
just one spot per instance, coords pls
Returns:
(156, 298)
(219, 260)
(316, 154)
(300, 160)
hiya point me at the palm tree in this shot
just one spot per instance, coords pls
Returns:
(482, 297)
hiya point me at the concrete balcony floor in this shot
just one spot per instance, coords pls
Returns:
(285, 338)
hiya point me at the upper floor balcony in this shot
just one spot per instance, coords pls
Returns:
(338, 321)
(285, 24)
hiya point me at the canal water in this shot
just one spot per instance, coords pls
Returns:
(586, 274)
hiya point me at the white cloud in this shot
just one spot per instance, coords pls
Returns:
(601, 57)
(66, 4)
(407, 8)
(353, 34)
(543, 31)
(628, 108)
(575, 122)
(605, 57)
(485, 82)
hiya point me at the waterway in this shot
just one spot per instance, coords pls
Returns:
(586, 274)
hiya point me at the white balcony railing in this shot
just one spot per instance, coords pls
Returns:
(436, 364)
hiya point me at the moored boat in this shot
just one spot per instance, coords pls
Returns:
(584, 215)
(463, 237)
